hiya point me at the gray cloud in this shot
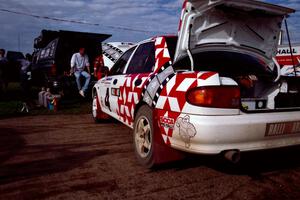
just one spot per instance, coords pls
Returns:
(153, 16)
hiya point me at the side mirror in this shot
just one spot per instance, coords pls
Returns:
(105, 70)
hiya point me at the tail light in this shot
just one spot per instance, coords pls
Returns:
(215, 96)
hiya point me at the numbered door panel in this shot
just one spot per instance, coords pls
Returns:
(122, 90)
(110, 85)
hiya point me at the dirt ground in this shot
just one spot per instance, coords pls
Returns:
(70, 157)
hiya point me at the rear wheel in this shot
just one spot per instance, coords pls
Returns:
(143, 136)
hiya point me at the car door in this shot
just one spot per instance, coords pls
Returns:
(137, 71)
(109, 90)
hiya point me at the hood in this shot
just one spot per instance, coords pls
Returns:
(112, 51)
(247, 26)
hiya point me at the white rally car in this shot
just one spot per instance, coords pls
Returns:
(215, 88)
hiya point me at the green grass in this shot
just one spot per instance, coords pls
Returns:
(8, 108)
(11, 104)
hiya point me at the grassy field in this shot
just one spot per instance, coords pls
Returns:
(11, 104)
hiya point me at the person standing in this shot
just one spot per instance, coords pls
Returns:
(3, 70)
(25, 82)
(98, 65)
(80, 66)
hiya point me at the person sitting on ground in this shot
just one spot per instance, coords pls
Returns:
(80, 63)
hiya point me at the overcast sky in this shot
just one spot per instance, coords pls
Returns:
(154, 16)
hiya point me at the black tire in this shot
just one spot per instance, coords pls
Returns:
(143, 137)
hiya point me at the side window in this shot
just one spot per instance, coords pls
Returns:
(143, 60)
(171, 43)
(119, 66)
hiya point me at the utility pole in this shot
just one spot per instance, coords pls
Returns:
(19, 42)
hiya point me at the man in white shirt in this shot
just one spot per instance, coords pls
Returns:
(79, 63)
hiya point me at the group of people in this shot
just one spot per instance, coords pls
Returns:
(80, 67)
(25, 65)
(24, 76)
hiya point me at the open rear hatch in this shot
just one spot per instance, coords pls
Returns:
(238, 39)
(232, 25)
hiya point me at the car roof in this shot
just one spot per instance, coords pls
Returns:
(153, 38)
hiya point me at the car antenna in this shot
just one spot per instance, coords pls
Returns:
(188, 50)
(291, 50)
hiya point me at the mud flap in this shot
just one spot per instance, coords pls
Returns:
(162, 152)
(100, 114)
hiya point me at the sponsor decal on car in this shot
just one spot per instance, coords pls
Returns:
(106, 80)
(186, 130)
(282, 128)
(167, 122)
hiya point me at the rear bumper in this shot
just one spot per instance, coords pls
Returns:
(244, 132)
